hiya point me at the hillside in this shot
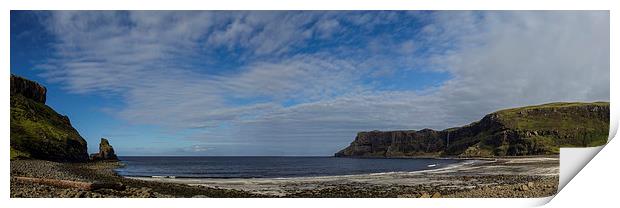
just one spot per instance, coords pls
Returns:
(37, 131)
(531, 130)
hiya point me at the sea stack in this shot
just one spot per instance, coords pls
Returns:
(106, 152)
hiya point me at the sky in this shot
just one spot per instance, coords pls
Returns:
(299, 83)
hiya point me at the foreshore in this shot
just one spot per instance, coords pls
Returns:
(498, 177)
(502, 177)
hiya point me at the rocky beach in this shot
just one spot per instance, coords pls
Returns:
(503, 177)
(101, 173)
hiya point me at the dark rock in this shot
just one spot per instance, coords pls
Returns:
(394, 144)
(28, 89)
(106, 152)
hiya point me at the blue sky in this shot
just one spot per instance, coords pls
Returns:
(300, 82)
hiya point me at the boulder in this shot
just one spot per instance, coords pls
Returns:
(106, 152)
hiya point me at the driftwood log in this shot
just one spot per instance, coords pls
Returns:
(87, 186)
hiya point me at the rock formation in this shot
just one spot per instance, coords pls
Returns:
(37, 131)
(106, 152)
(28, 89)
(533, 130)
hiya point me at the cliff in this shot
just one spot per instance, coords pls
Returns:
(28, 89)
(532, 130)
(37, 131)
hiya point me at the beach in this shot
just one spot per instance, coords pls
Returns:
(478, 178)
(507, 177)
(99, 172)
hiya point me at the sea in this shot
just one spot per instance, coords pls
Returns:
(270, 167)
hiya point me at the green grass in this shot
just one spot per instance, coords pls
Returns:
(553, 105)
(572, 123)
(565, 115)
(37, 131)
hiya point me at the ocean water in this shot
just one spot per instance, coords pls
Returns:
(270, 167)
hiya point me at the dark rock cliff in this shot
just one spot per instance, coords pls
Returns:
(532, 130)
(37, 131)
(28, 89)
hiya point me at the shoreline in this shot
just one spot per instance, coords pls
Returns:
(451, 158)
(180, 178)
(298, 177)
(507, 175)
(460, 159)
(500, 177)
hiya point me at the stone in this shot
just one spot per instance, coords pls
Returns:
(530, 184)
(425, 195)
(436, 195)
(524, 188)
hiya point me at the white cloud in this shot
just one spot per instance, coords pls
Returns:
(495, 60)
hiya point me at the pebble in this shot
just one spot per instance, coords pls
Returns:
(530, 184)
(98, 172)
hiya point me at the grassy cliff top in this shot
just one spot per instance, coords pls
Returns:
(549, 106)
(565, 120)
(557, 116)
